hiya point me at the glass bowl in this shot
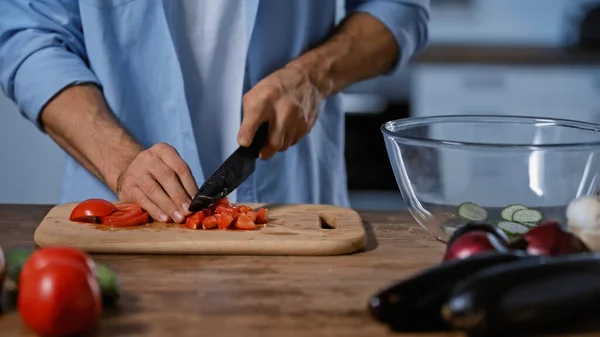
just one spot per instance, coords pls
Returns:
(448, 167)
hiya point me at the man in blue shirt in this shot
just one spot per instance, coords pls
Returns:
(148, 97)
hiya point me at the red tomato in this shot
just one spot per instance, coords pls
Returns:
(244, 209)
(244, 222)
(251, 215)
(209, 222)
(59, 299)
(223, 201)
(126, 215)
(194, 221)
(89, 210)
(224, 220)
(43, 257)
(261, 216)
(222, 208)
(139, 220)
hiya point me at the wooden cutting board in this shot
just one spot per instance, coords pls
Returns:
(292, 230)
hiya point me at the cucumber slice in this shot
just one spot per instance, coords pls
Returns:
(508, 212)
(513, 228)
(472, 211)
(527, 216)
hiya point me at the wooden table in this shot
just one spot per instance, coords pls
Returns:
(248, 295)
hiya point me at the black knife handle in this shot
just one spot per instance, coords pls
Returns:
(260, 138)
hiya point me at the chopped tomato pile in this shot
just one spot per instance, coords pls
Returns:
(224, 215)
(221, 215)
(106, 213)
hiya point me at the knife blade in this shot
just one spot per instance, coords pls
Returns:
(232, 173)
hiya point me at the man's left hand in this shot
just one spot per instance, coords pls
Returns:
(288, 101)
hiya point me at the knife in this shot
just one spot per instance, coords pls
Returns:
(232, 173)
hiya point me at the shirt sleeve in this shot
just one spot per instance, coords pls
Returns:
(41, 52)
(408, 21)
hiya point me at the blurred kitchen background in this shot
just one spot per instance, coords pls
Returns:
(513, 57)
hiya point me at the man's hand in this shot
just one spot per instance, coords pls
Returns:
(160, 181)
(360, 48)
(288, 101)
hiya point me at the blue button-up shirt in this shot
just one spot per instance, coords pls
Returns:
(131, 49)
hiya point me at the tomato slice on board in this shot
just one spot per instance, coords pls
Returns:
(123, 212)
(251, 215)
(261, 216)
(244, 209)
(138, 220)
(194, 221)
(209, 222)
(224, 220)
(89, 210)
(223, 201)
(244, 222)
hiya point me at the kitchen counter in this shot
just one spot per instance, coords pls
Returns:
(248, 295)
(512, 55)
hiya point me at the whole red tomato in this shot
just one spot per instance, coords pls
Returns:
(59, 299)
(49, 255)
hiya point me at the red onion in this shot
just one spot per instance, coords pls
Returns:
(471, 243)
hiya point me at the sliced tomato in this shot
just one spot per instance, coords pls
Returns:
(224, 220)
(261, 216)
(251, 215)
(89, 210)
(138, 220)
(223, 208)
(194, 221)
(223, 201)
(124, 212)
(209, 222)
(244, 209)
(244, 222)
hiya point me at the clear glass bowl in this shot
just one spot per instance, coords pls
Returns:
(441, 162)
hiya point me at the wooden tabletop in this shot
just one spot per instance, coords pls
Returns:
(247, 295)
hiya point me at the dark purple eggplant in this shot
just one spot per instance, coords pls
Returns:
(531, 295)
(415, 304)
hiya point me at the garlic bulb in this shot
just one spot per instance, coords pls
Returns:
(583, 213)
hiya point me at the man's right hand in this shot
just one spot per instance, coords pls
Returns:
(160, 181)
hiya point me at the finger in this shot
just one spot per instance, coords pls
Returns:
(255, 112)
(142, 199)
(267, 153)
(169, 182)
(151, 185)
(183, 198)
(289, 138)
(286, 115)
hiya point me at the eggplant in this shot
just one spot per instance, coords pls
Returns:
(415, 304)
(531, 295)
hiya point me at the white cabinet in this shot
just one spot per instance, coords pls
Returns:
(542, 91)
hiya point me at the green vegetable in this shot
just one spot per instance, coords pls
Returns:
(472, 211)
(527, 216)
(507, 213)
(16, 258)
(109, 284)
(107, 279)
(512, 228)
